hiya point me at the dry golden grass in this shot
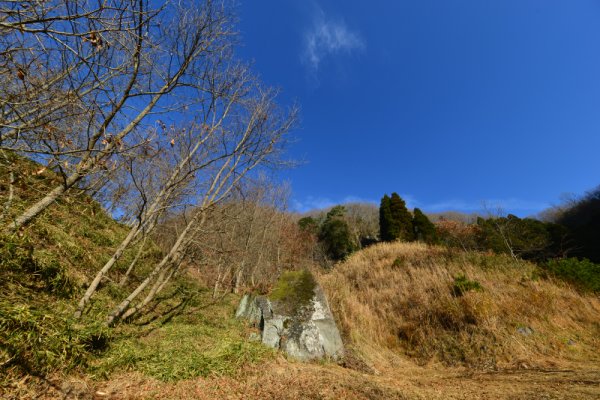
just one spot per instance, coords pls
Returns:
(411, 337)
(399, 298)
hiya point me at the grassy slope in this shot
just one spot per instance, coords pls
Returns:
(44, 271)
(403, 298)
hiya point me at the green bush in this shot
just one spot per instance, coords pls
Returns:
(20, 267)
(195, 335)
(398, 262)
(462, 285)
(38, 340)
(582, 273)
(527, 238)
(583, 220)
(182, 351)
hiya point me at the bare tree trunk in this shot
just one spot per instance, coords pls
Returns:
(125, 277)
(158, 286)
(238, 279)
(11, 187)
(123, 306)
(240, 271)
(217, 281)
(98, 278)
(42, 204)
(260, 251)
(119, 311)
(174, 256)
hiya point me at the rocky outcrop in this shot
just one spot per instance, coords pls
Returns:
(295, 318)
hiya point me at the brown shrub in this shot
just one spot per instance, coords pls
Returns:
(457, 234)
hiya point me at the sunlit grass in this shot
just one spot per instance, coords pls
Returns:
(466, 308)
(203, 341)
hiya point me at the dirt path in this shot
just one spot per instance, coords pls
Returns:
(289, 380)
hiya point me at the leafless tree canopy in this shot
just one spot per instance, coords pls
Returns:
(144, 106)
(83, 81)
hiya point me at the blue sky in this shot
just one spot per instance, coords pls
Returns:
(449, 103)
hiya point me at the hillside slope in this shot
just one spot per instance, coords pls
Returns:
(433, 304)
(44, 270)
(425, 322)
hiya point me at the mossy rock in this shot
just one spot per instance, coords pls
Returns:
(295, 318)
(294, 292)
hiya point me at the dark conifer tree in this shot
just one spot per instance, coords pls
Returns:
(423, 228)
(309, 225)
(583, 220)
(401, 226)
(335, 235)
(385, 219)
(395, 221)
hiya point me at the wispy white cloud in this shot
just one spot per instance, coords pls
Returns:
(317, 203)
(328, 37)
(489, 205)
(311, 203)
(483, 207)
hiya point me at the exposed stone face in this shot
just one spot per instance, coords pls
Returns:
(301, 324)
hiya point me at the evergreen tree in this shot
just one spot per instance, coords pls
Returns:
(385, 219)
(337, 211)
(395, 221)
(401, 226)
(309, 225)
(583, 220)
(335, 235)
(423, 228)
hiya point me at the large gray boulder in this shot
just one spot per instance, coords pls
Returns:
(294, 318)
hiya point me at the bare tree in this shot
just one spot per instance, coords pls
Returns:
(503, 226)
(363, 219)
(80, 77)
(249, 240)
(252, 138)
(195, 149)
(263, 205)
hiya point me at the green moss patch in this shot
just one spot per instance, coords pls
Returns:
(294, 290)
